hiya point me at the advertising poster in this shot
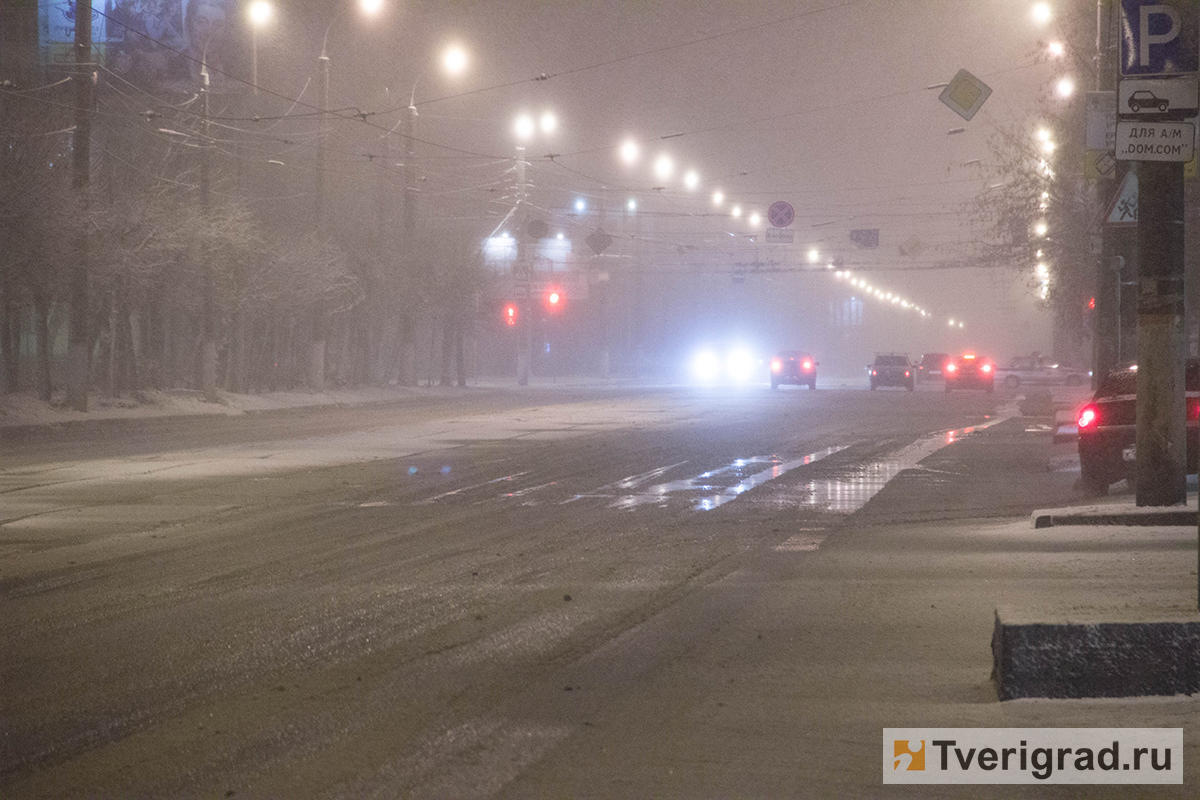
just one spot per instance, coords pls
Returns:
(157, 44)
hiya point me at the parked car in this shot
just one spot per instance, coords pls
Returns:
(1034, 370)
(1108, 427)
(793, 366)
(971, 371)
(932, 366)
(891, 369)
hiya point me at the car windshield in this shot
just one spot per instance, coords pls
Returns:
(891, 361)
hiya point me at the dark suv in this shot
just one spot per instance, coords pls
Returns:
(1108, 427)
(891, 369)
(793, 366)
(931, 366)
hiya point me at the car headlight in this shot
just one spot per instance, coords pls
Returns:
(706, 366)
(740, 366)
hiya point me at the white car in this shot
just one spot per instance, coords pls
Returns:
(1034, 370)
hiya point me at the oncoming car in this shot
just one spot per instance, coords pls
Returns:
(732, 365)
(970, 372)
(793, 366)
(1108, 427)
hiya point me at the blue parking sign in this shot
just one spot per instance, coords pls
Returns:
(1159, 37)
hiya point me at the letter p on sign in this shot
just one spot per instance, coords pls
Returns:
(1146, 34)
(1159, 38)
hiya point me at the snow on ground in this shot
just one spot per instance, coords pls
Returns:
(27, 409)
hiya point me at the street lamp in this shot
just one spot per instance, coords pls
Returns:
(259, 13)
(370, 8)
(454, 62)
(524, 128)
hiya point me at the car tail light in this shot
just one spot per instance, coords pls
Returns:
(986, 368)
(906, 373)
(1089, 417)
(951, 367)
(807, 365)
(1193, 409)
(776, 365)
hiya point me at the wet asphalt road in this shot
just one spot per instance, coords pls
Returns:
(398, 601)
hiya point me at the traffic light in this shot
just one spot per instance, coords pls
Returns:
(554, 299)
(510, 314)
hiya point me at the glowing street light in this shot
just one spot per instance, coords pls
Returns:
(718, 197)
(754, 219)
(663, 167)
(548, 123)
(1056, 49)
(1065, 87)
(630, 151)
(691, 179)
(524, 127)
(454, 60)
(1042, 13)
(260, 13)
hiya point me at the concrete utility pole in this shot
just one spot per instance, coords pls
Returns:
(1159, 55)
(316, 347)
(407, 332)
(523, 273)
(79, 338)
(208, 346)
(1161, 413)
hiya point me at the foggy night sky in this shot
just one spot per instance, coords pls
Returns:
(819, 103)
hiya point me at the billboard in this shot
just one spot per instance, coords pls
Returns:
(156, 44)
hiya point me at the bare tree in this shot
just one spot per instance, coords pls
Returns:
(36, 220)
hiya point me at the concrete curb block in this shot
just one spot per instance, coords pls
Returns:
(1101, 516)
(1103, 659)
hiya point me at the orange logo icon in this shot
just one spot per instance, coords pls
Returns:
(909, 755)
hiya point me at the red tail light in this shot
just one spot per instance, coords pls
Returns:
(807, 365)
(776, 365)
(951, 367)
(1089, 417)
(986, 368)
(1193, 409)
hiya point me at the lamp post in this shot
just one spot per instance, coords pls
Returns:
(316, 353)
(525, 128)
(259, 13)
(370, 8)
(454, 62)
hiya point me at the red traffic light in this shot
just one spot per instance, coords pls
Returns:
(510, 314)
(554, 299)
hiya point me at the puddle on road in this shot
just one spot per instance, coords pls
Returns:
(723, 484)
(843, 495)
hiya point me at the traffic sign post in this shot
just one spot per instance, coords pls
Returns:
(1160, 51)
(1159, 38)
(781, 214)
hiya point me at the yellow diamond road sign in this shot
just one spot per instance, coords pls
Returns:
(965, 94)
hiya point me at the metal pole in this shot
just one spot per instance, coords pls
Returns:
(316, 350)
(524, 289)
(79, 338)
(208, 347)
(319, 197)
